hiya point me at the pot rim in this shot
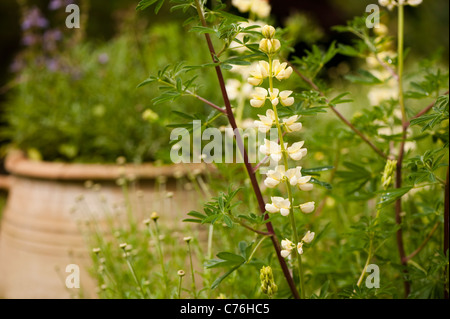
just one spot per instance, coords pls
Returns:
(17, 164)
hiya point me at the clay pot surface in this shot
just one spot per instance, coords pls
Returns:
(40, 232)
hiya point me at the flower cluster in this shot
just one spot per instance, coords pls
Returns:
(288, 246)
(268, 285)
(277, 151)
(390, 4)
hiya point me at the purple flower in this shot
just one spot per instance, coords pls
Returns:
(50, 38)
(103, 58)
(52, 65)
(16, 66)
(34, 18)
(57, 4)
(29, 40)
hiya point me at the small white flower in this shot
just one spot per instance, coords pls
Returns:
(275, 177)
(280, 71)
(287, 247)
(259, 97)
(296, 152)
(291, 124)
(261, 8)
(390, 4)
(414, 2)
(233, 87)
(266, 121)
(279, 205)
(295, 178)
(273, 96)
(293, 175)
(309, 237)
(300, 248)
(272, 149)
(268, 31)
(258, 73)
(242, 5)
(286, 99)
(307, 207)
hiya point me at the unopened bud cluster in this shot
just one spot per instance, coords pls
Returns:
(268, 285)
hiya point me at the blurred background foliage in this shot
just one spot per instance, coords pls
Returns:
(69, 64)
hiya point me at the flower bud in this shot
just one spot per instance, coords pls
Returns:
(269, 46)
(154, 216)
(268, 31)
(388, 173)
(268, 285)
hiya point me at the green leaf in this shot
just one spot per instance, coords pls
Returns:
(339, 99)
(231, 257)
(391, 195)
(228, 221)
(323, 184)
(144, 4)
(147, 81)
(363, 77)
(221, 278)
(316, 169)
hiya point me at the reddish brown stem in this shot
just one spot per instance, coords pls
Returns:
(424, 111)
(247, 164)
(415, 252)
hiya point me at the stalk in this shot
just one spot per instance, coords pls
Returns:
(244, 154)
(288, 186)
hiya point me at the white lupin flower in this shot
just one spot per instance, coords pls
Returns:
(294, 175)
(259, 73)
(286, 99)
(309, 237)
(242, 5)
(291, 124)
(275, 177)
(261, 8)
(300, 248)
(280, 71)
(414, 2)
(273, 96)
(272, 149)
(233, 86)
(296, 152)
(390, 4)
(307, 207)
(287, 247)
(304, 184)
(259, 97)
(265, 122)
(279, 205)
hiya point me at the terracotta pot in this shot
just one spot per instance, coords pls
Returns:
(40, 233)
